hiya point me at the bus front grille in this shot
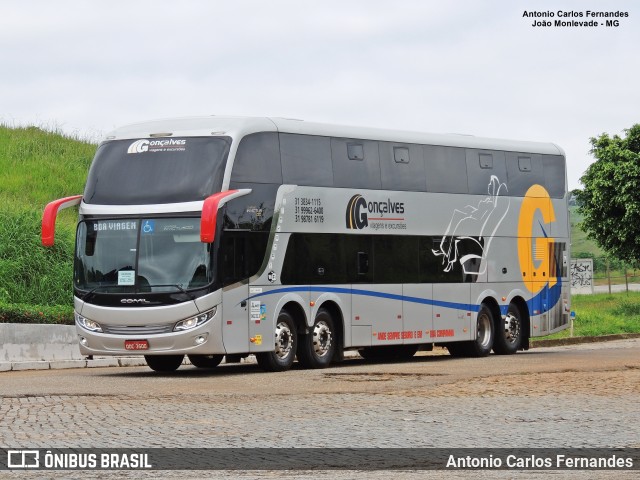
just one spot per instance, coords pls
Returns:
(137, 330)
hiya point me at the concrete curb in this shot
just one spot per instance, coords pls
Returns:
(559, 342)
(65, 364)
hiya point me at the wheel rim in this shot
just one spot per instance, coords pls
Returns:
(284, 340)
(511, 328)
(484, 330)
(322, 338)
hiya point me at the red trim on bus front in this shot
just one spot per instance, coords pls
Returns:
(210, 215)
(50, 214)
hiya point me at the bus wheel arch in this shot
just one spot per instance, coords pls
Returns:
(485, 329)
(297, 312)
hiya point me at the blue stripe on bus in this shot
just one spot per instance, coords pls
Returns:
(552, 294)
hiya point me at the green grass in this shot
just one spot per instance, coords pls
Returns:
(604, 314)
(36, 167)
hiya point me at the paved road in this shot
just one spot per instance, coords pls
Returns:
(577, 396)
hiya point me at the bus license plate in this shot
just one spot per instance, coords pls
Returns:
(136, 345)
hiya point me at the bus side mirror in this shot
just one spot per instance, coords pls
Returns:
(210, 209)
(51, 213)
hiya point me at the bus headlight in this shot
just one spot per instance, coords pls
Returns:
(87, 324)
(194, 322)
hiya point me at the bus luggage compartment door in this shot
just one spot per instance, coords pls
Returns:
(381, 307)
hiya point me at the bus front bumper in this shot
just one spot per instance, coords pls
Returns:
(205, 339)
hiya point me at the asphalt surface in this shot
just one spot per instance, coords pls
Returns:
(572, 396)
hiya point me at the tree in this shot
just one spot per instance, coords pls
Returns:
(610, 200)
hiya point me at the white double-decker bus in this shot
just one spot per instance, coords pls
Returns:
(221, 236)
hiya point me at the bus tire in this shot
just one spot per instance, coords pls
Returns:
(485, 328)
(316, 348)
(164, 363)
(481, 346)
(205, 361)
(286, 343)
(509, 332)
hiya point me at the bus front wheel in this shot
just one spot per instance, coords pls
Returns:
(286, 343)
(164, 363)
(317, 347)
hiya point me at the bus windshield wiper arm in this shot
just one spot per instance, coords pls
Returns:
(175, 285)
(84, 296)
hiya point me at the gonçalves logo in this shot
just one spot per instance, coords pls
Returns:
(358, 211)
(164, 145)
(139, 146)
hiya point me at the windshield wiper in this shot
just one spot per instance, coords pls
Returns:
(84, 297)
(175, 285)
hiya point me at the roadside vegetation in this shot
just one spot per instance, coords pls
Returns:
(584, 247)
(37, 166)
(604, 314)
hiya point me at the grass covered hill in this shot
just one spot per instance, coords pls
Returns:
(37, 166)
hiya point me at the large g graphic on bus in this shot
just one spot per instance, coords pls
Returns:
(357, 212)
(534, 244)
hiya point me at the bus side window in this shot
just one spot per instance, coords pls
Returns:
(314, 259)
(258, 159)
(554, 170)
(241, 255)
(523, 170)
(306, 160)
(402, 167)
(446, 169)
(394, 259)
(482, 165)
(349, 170)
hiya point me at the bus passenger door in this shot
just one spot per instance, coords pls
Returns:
(235, 319)
(235, 293)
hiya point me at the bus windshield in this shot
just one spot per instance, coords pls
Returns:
(141, 255)
(156, 170)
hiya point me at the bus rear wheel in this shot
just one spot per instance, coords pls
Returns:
(205, 361)
(316, 348)
(509, 332)
(286, 343)
(481, 346)
(164, 363)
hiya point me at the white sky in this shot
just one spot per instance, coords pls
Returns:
(475, 67)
